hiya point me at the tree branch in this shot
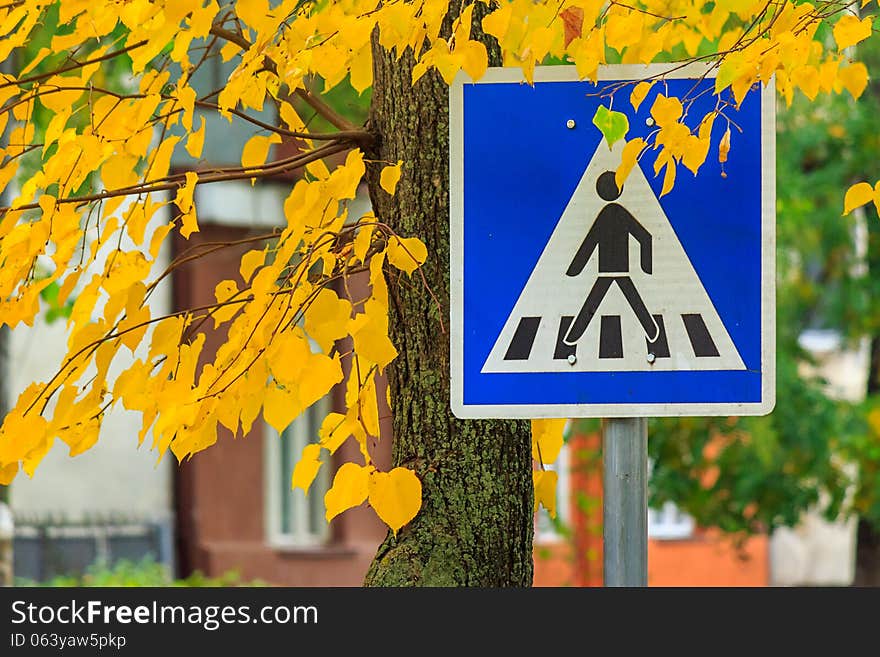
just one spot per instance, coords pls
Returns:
(175, 182)
(314, 102)
(72, 67)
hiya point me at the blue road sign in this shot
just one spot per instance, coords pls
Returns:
(573, 298)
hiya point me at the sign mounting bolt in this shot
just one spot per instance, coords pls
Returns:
(570, 124)
(572, 359)
(651, 358)
(649, 121)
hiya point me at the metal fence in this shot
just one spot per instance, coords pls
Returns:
(49, 546)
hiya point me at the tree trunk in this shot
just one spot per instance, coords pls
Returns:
(867, 555)
(475, 525)
(6, 525)
(867, 571)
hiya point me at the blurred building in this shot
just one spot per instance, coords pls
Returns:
(569, 552)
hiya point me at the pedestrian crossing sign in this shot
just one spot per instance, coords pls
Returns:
(571, 297)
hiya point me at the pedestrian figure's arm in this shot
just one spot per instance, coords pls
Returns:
(584, 252)
(643, 237)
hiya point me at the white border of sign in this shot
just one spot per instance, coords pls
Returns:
(456, 257)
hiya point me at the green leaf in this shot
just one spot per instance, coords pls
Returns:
(614, 125)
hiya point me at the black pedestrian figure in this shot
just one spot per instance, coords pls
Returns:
(610, 236)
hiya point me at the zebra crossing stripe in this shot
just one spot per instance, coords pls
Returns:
(660, 346)
(563, 350)
(521, 345)
(611, 338)
(699, 336)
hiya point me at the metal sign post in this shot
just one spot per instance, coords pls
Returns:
(625, 501)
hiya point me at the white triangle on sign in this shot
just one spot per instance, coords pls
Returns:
(693, 337)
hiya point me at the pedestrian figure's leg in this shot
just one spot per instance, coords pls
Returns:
(580, 323)
(652, 331)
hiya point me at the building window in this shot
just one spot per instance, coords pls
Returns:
(547, 529)
(292, 518)
(669, 522)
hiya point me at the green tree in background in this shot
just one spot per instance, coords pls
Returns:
(748, 475)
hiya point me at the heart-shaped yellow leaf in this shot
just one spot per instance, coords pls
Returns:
(614, 125)
(256, 150)
(333, 432)
(407, 253)
(351, 486)
(547, 439)
(849, 30)
(856, 196)
(545, 490)
(390, 176)
(306, 468)
(396, 496)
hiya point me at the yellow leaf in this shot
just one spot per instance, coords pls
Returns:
(695, 152)
(476, 59)
(362, 242)
(724, 146)
(158, 238)
(406, 254)
(390, 176)
(631, 152)
(326, 319)
(668, 177)
(8, 473)
(195, 143)
(249, 263)
(806, 78)
(854, 78)
(547, 439)
(849, 30)
(874, 421)
(166, 336)
(306, 468)
(119, 171)
(351, 485)
(288, 354)
(638, 94)
(624, 29)
(856, 196)
(137, 316)
(545, 490)
(374, 345)
(56, 93)
(368, 407)
(318, 169)
(161, 159)
(333, 432)
(224, 291)
(256, 150)
(184, 202)
(280, 408)
(395, 496)
(321, 374)
(343, 183)
(290, 117)
(498, 22)
(361, 69)
(666, 111)
(54, 130)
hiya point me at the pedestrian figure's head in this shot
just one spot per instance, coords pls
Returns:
(607, 187)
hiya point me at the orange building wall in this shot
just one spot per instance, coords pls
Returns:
(706, 559)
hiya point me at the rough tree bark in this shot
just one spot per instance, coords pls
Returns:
(6, 526)
(475, 526)
(867, 570)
